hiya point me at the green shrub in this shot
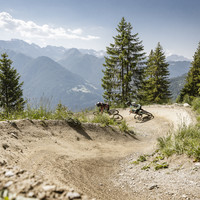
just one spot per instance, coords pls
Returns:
(161, 166)
(123, 126)
(165, 145)
(158, 158)
(185, 141)
(61, 112)
(196, 104)
(146, 167)
(82, 116)
(135, 162)
(103, 119)
(142, 158)
(188, 99)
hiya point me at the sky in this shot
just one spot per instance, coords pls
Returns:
(91, 24)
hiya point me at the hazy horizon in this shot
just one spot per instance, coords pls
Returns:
(91, 24)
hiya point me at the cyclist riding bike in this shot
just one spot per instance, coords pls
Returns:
(134, 108)
(103, 106)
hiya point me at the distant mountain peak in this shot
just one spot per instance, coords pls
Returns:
(175, 57)
(71, 53)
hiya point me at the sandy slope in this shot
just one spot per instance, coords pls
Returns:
(88, 159)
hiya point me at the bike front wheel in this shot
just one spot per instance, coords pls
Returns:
(149, 115)
(138, 117)
(113, 112)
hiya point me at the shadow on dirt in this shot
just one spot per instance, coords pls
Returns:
(131, 134)
(14, 125)
(81, 131)
(76, 125)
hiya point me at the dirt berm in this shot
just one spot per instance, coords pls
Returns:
(46, 159)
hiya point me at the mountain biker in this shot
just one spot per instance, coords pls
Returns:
(103, 106)
(134, 107)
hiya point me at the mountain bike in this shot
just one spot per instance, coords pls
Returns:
(142, 115)
(114, 112)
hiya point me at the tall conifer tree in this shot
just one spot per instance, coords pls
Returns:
(123, 66)
(149, 83)
(156, 86)
(192, 85)
(10, 89)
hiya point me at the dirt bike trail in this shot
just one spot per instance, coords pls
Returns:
(88, 159)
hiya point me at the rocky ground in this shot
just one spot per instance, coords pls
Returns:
(19, 184)
(54, 160)
(180, 180)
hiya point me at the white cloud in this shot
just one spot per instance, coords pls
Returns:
(29, 29)
(78, 31)
(81, 88)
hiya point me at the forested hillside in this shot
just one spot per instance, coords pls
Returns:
(176, 84)
(85, 65)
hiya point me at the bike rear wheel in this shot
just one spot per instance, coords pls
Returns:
(149, 115)
(117, 117)
(138, 117)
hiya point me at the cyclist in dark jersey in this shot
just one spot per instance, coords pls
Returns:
(103, 106)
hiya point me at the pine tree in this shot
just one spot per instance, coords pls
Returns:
(192, 85)
(157, 83)
(123, 66)
(10, 89)
(149, 83)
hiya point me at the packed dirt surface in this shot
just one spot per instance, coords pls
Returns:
(58, 160)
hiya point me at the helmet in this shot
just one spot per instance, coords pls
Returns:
(98, 104)
(133, 103)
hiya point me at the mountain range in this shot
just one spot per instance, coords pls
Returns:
(88, 66)
(45, 79)
(70, 76)
(33, 50)
(175, 57)
(178, 68)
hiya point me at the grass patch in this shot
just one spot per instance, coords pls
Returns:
(135, 162)
(107, 120)
(61, 112)
(142, 158)
(185, 141)
(154, 161)
(44, 113)
(103, 119)
(146, 167)
(161, 166)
